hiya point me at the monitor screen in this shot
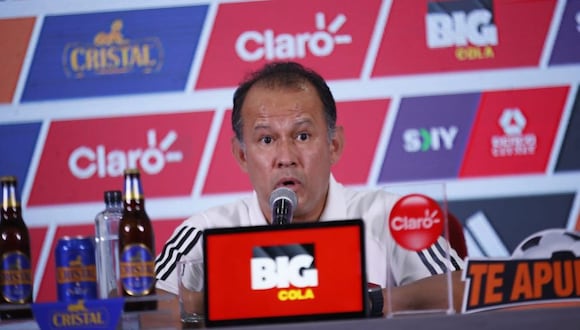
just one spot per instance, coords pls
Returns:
(295, 272)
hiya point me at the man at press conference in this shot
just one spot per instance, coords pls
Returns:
(284, 119)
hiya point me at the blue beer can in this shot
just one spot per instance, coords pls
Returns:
(76, 270)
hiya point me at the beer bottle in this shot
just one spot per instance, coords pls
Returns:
(15, 261)
(136, 247)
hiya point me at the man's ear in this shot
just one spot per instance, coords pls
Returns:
(336, 144)
(239, 153)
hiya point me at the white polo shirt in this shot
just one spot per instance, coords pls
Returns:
(373, 206)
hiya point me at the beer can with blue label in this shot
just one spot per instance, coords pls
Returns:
(76, 271)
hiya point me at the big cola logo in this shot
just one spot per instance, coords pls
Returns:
(294, 276)
(465, 25)
(416, 222)
(461, 29)
(257, 45)
(85, 162)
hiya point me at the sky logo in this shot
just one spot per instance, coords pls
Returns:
(435, 149)
(434, 139)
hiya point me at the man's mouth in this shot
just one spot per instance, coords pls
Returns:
(287, 182)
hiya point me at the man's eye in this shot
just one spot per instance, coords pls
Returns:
(303, 136)
(267, 139)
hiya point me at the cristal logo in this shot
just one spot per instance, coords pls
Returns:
(435, 138)
(112, 53)
(513, 142)
(77, 315)
(257, 45)
(85, 162)
(294, 275)
(473, 32)
(416, 222)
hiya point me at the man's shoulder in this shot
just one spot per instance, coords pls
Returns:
(369, 203)
(367, 195)
(230, 214)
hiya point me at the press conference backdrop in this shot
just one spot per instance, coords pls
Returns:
(481, 95)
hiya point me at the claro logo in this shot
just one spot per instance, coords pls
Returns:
(259, 45)
(430, 218)
(415, 222)
(85, 162)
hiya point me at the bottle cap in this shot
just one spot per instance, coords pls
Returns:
(8, 178)
(130, 171)
(113, 196)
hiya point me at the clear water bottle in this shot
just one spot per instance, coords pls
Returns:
(107, 244)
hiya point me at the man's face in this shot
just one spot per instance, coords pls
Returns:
(286, 143)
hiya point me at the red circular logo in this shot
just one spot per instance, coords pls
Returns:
(416, 221)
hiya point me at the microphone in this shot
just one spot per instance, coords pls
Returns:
(282, 201)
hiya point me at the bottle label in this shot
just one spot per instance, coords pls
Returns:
(16, 277)
(137, 270)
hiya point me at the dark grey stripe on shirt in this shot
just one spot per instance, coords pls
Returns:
(426, 262)
(451, 258)
(181, 244)
(437, 258)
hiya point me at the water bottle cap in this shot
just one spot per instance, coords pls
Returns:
(113, 196)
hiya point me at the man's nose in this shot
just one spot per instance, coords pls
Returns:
(286, 153)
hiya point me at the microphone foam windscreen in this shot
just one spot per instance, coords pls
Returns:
(283, 192)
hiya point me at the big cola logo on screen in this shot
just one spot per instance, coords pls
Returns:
(88, 161)
(289, 269)
(258, 45)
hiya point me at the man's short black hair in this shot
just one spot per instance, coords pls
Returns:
(287, 75)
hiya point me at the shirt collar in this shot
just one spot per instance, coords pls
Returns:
(335, 208)
(257, 218)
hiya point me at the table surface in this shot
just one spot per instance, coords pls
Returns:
(529, 319)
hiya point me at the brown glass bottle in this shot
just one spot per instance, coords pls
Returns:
(136, 247)
(15, 262)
